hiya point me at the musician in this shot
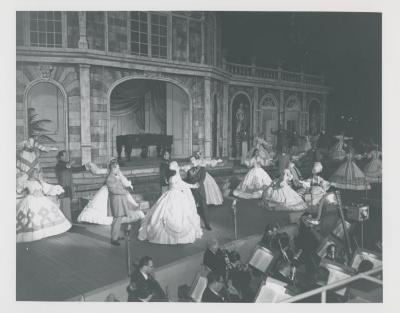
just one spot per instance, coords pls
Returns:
(333, 255)
(143, 286)
(214, 258)
(240, 276)
(197, 175)
(215, 284)
(308, 241)
(269, 237)
(287, 261)
(164, 171)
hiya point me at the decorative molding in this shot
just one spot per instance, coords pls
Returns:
(45, 71)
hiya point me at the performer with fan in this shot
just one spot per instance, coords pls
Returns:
(255, 180)
(262, 146)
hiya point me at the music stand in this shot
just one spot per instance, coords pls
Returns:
(363, 254)
(337, 272)
(262, 259)
(360, 214)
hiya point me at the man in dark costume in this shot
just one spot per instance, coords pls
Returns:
(64, 170)
(164, 171)
(197, 175)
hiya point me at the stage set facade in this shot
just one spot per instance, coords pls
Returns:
(97, 75)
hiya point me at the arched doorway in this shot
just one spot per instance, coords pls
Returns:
(314, 117)
(269, 118)
(147, 106)
(240, 123)
(46, 116)
(292, 115)
(215, 127)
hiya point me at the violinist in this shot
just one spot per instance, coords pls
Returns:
(287, 261)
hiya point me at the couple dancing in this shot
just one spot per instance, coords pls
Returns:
(175, 217)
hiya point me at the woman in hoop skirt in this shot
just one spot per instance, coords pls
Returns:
(173, 219)
(348, 175)
(38, 215)
(373, 170)
(255, 180)
(281, 197)
(337, 152)
(213, 193)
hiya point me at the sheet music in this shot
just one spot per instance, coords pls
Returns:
(261, 259)
(336, 275)
(198, 289)
(272, 291)
(365, 256)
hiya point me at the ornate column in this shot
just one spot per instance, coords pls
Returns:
(256, 111)
(305, 126)
(82, 43)
(207, 118)
(323, 111)
(86, 142)
(281, 111)
(225, 121)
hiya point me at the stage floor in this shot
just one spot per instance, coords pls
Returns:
(81, 260)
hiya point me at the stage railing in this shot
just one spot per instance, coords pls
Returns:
(323, 290)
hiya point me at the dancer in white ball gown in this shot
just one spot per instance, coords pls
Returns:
(38, 215)
(95, 212)
(255, 181)
(281, 197)
(213, 192)
(373, 170)
(173, 219)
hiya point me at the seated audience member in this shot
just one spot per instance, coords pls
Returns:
(215, 284)
(240, 275)
(213, 258)
(143, 286)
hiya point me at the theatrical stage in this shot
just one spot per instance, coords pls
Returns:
(81, 260)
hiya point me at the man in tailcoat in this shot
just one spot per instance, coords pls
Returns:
(197, 174)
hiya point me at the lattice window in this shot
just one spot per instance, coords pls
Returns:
(159, 31)
(139, 33)
(45, 29)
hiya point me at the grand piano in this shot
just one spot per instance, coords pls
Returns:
(143, 141)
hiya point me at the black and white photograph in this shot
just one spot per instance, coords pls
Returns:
(206, 156)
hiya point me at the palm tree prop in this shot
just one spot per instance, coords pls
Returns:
(35, 126)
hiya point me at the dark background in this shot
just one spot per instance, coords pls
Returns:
(345, 47)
